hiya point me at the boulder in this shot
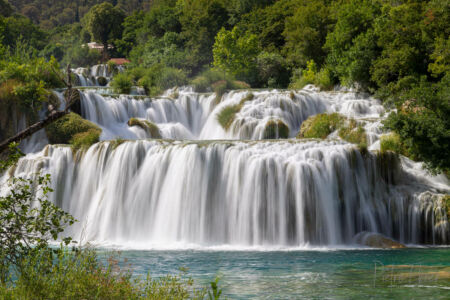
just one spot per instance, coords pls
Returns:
(377, 240)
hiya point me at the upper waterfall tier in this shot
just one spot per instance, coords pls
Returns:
(253, 193)
(183, 114)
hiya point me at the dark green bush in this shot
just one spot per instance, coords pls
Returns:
(122, 83)
(102, 81)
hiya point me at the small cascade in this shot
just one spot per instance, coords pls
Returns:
(189, 115)
(91, 76)
(170, 194)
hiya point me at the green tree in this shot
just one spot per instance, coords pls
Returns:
(28, 220)
(305, 33)
(104, 22)
(236, 53)
(200, 21)
(423, 124)
(352, 44)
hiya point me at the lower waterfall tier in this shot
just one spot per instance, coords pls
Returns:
(252, 193)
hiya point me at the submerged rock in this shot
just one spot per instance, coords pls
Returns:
(376, 240)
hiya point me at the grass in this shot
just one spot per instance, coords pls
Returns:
(276, 129)
(151, 128)
(73, 129)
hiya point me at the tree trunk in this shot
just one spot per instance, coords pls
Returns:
(54, 115)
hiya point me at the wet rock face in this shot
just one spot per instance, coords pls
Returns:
(376, 240)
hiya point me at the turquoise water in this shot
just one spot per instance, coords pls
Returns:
(329, 274)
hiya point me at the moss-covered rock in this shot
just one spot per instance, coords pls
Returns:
(102, 81)
(276, 129)
(320, 126)
(68, 129)
(151, 128)
(85, 139)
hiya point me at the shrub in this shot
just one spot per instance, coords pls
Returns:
(64, 130)
(392, 142)
(171, 77)
(320, 126)
(102, 81)
(79, 274)
(217, 81)
(353, 133)
(112, 67)
(151, 128)
(276, 129)
(201, 84)
(122, 83)
(310, 75)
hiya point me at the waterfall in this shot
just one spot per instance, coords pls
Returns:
(189, 115)
(202, 183)
(255, 193)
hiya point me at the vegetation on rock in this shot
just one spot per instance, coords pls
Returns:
(227, 115)
(276, 129)
(73, 129)
(320, 126)
(149, 127)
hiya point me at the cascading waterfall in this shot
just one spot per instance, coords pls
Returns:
(204, 185)
(167, 194)
(192, 115)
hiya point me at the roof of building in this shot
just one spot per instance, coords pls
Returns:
(119, 61)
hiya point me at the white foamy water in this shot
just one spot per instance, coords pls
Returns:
(161, 194)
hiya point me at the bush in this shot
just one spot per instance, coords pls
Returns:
(353, 133)
(171, 77)
(320, 126)
(73, 129)
(102, 81)
(217, 81)
(78, 274)
(276, 129)
(122, 83)
(392, 142)
(321, 79)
